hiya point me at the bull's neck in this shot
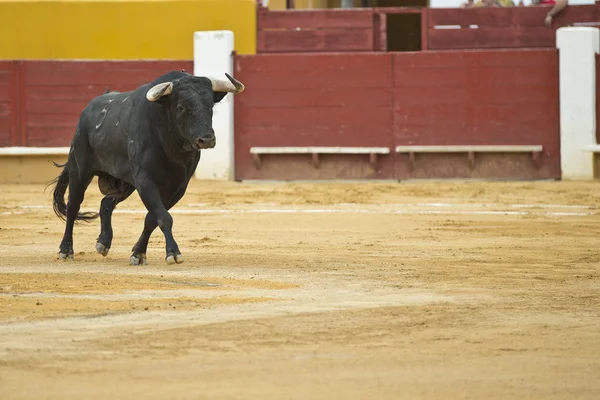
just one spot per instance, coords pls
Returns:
(173, 144)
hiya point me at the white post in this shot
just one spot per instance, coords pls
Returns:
(577, 47)
(213, 57)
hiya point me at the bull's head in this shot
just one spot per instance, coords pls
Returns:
(189, 101)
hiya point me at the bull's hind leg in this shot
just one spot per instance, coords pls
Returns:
(141, 247)
(78, 183)
(116, 191)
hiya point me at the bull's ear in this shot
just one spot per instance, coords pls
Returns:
(218, 96)
(162, 89)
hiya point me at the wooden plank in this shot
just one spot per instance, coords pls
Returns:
(4, 127)
(91, 76)
(345, 73)
(72, 92)
(488, 17)
(20, 106)
(425, 29)
(490, 38)
(58, 106)
(356, 39)
(319, 150)
(469, 148)
(320, 97)
(48, 135)
(321, 134)
(41, 66)
(475, 59)
(6, 116)
(496, 93)
(314, 64)
(4, 89)
(398, 10)
(577, 14)
(62, 120)
(510, 17)
(309, 116)
(10, 106)
(431, 77)
(354, 18)
(50, 73)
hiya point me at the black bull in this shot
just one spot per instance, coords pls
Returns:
(148, 140)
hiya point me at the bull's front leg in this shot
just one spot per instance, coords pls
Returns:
(151, 198)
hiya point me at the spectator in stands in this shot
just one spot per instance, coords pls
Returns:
(559, 5)
(487, 3)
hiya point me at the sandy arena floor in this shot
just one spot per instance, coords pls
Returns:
(310, 291)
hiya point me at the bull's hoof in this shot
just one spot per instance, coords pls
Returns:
(174, 258)
(138, 259)
(102, 249)
(66, 256)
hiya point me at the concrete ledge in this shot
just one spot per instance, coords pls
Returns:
(30, 164)
(33, 151)
(592, 148)
(319, 150)
(316, 150)
(468, 148)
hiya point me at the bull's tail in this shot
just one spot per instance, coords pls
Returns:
(61, 183)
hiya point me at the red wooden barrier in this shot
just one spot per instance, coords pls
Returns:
(512, 27)
(10, 131)
(314, 30)
(432, 98)
(52, 94)
(477, 98)
(6, 109)
(313, 100)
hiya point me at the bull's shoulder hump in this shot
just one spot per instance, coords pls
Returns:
(114, 98)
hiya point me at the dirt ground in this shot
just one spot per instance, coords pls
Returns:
(455, 290)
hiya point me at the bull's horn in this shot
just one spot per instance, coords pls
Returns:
(162, 89)
(233, 86)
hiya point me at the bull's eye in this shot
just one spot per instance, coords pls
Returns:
(180, 108)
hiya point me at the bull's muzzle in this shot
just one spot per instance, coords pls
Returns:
(205, 143)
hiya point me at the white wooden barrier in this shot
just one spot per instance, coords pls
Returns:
(577, 49)
(213, 57)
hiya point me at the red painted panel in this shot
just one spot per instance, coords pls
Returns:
(512, 16)
(314, 30)
(510, 27)
(293, 19)
(6, 109)
(58, 73)
(485, 97)
(313, 64)
(488, 17)
(307, 71)
(484, 38)
(4, 85)
(318, 97)
(57, 91)
(315, 40)
(313, 100)
(309, 116)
